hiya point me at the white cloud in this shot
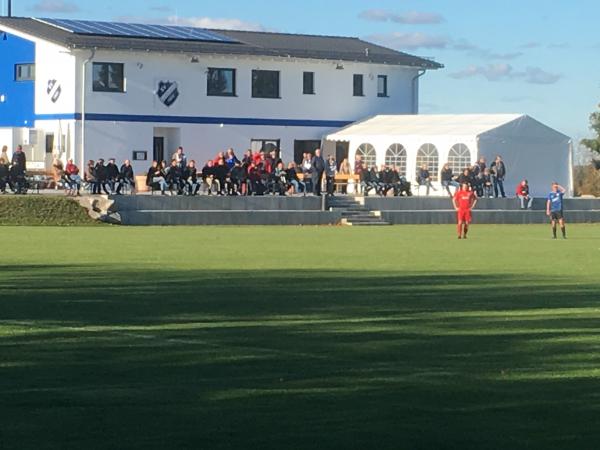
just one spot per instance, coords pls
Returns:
(410, 18)
(55, 6)
(483, 53)
(409, 41)
(506, 72)
(216, 23)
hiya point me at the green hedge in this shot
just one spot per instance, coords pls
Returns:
(34, 210)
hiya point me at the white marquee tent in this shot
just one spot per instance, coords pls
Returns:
(530, 149)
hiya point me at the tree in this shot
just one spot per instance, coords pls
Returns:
(594, 144)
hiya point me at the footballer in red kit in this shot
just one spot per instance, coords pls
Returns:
(464, 201)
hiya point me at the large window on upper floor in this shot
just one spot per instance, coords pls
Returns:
(382, 86)
(220, 82)
(358, 88)
(108, 77)
(308, 83)
(24, 72)
(265, 84)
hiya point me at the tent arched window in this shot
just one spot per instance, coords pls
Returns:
(459, 158)
(368, 155)
(428, 155)
(395, 156)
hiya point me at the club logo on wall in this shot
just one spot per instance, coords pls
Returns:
(167, 92)
(54, 90)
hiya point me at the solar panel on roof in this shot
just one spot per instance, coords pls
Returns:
(137, 30)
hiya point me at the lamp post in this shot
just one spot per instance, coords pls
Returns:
(9, 8)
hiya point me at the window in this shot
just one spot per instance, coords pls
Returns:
(459, 158)
(220, 82)
(358, 86)
(396, 157)
(382, 88)
(428, 155)
(265, 145)
(309, 83)
(108, 77)
(24, 72)
(368, 155)
(265, 84)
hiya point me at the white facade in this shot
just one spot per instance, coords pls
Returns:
(117, 124)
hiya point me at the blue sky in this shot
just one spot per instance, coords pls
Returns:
(529, 56)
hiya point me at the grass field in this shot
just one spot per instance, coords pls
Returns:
(296, 338)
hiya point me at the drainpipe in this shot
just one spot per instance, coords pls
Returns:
(83, 83)
(415, 87)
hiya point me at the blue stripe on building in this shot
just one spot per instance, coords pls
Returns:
(17, 98)
(197, 120)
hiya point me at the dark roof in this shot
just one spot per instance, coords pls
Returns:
(248, 43)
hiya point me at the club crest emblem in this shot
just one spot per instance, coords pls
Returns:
(167, 92)
(54, 90)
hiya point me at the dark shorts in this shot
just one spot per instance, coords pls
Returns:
(557, 215)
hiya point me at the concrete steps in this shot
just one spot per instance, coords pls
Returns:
(354, 213)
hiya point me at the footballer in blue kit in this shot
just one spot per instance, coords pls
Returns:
(554, 209)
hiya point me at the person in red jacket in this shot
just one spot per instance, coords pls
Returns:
(464, 201)
(523, 195)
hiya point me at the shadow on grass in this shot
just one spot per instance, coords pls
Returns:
(101, 357)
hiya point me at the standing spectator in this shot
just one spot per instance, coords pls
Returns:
(330, 171)
(126, 177)
(318, 165)
(112, 175)
(307, 170)
(58, 171)
(424, 178)
(19, 161)
(554, 209)
(4, 173)
(180, 157)
(4, 153)
(523, 195)
(230, 158)
(448, 179)
(101, 176)
(344, 170)
(487, 184)
(481, 165)
(358, 165)
(498, 171)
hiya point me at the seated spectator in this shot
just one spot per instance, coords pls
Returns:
(296, 185)
(72, 179)
(466, 177)
(231, 159)
(221, 172)
(386, 179)
(174, 177)
(126, 177)
(156, 178)
(448, 180)
(101, 177)
(237, 177)
(523, 195)
(58, 171)
(209, 181)
(401, 184)
(424, 178)
(89, 176)
(370, 181)
(280, 182)
(4, 172)
(112, 175)
(190, 178)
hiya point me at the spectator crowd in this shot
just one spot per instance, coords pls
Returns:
(259, 173)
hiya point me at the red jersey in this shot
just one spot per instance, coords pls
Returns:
(464, 199)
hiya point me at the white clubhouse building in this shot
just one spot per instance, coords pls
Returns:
(86, 90)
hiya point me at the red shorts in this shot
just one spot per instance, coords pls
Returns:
(464, 215)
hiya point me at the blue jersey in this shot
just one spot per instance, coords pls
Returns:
(556, 201)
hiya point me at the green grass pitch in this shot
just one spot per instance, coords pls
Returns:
(298, 338)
